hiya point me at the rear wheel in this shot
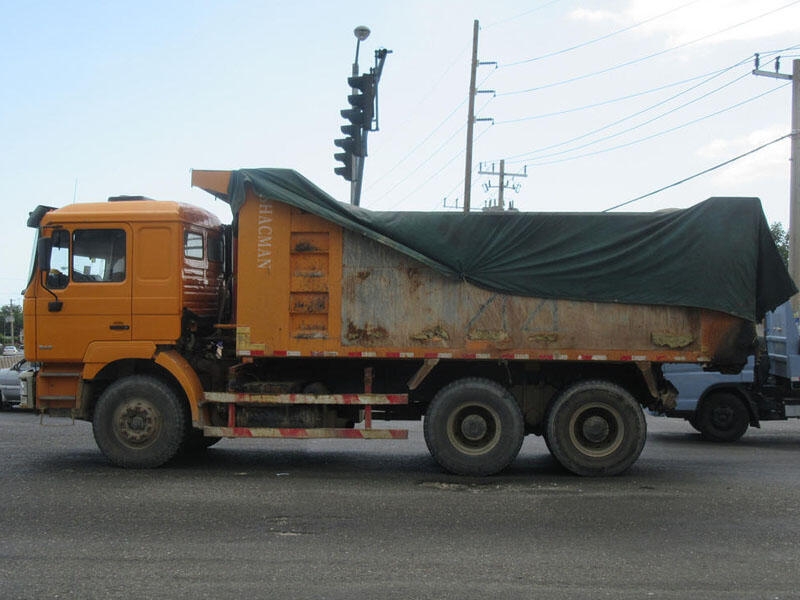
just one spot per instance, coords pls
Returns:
(474, 427)
(596, 428)
(139, 422)
(722, 417)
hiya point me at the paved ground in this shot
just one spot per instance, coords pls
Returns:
(344, 519)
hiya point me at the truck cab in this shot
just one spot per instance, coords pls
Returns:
(114, 282)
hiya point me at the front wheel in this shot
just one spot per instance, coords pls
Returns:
(474, 427)
(722, 417)
(596, 428)
(139, 422)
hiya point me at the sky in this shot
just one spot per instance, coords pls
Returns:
(597, 103)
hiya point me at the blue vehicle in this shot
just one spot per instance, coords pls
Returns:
(721, 407)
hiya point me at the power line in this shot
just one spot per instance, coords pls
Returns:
(617, 99)
(598, 39)
(714, 75)
(704, 172)
(420, 144)
(519, 16)
(436, 151)
(664, 132)
(646, 57)
(643, 123)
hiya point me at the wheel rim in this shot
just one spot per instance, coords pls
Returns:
(474, 429)
(723, 417)
(137, 423)
(596, 430)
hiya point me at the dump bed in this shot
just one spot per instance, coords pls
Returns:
(315, 277)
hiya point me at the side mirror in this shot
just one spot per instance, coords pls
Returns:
(43, 249)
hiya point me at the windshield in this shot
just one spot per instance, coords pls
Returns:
(32, 264)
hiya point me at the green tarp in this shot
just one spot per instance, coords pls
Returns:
(718, 254)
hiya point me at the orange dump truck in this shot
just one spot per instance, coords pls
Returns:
(308, 318)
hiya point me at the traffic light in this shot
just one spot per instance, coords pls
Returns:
(354, 142)
(360, 115)
(363, 102)
(346, 170)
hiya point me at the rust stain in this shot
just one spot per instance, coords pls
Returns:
(414, 282)
(543, 338)
(305, 246)
(309, 274)
(362, 275)
(365, 334)
(488, 335)
(670, 339)
(313, 305)
(435, 334)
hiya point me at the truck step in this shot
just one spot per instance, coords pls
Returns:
(352, 399)
(299, 433)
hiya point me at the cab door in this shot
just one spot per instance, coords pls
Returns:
(86, 296)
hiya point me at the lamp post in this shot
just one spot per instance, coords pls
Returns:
(361, 32)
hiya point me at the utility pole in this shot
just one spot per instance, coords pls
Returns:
(503, 184)
(794, 161)
(471, 120)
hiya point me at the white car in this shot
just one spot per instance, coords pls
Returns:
(10, 350)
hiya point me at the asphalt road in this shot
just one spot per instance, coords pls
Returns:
(368, 519)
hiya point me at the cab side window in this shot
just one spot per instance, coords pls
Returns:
(193, 245)
(98, 255)
(58, 276)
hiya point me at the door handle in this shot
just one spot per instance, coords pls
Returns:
(119, 327)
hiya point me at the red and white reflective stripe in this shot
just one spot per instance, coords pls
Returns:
(553, 357)
(544, 356)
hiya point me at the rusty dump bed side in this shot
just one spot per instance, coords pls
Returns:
(307, 287)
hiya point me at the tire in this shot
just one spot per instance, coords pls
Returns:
(722, 417)
(474, 427)
(139, 422)
(596, 428)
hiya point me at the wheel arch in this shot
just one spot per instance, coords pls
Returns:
(168, 366)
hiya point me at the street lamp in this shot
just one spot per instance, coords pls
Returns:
(357, 169)
(361, 32)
